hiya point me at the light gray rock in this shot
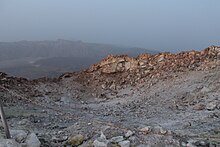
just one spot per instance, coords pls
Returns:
(9, 143)
(101, 141)
(205, 89)
(102, 138)
(23, 122)
(117, 139)
(159, 130)
(19, 135)
(129, 133)
(66, 100)
(97, 143)
(211, 106)
(146, 129)
(134, 140)
(32, 141)
(125, 143)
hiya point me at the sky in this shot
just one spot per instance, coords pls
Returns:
(167, 25)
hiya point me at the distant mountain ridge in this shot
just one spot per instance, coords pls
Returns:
(34, 59)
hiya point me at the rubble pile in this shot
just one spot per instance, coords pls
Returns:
(115, 71)
(15, 88)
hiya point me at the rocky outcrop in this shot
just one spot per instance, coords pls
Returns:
(162, 61)
(114, 72)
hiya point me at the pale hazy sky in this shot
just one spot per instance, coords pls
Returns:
(154, 24)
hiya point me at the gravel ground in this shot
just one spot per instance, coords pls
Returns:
(178, 111)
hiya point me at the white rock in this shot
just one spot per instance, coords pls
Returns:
(33, 141)
(125, 143)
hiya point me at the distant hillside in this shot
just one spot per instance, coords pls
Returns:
(34, 59)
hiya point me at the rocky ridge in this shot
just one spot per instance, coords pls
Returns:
(115, 72)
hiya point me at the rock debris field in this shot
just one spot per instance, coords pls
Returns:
(161, 100)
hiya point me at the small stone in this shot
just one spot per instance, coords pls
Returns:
(190, 145)
(202, 143)
(125, 143)
(183, 144)
(76, 140)
(134, 140)
(205, 89)
(129, 133)
(117, 139)
(18, 135)
(146, 129)
(23, 122)
(161, 58)
(199, 107)
(32, 141)
(160, 130)
(97, 143)
(66, 100)
(113, 145)
(60, 132)
(102, 138)
(59, 139)
(211, 106)
(101, 141)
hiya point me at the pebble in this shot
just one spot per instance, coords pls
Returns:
(125, 143)
(199, 107)
(159, 130)
(97, 143)
(129, 133)
(211, 106)
(66, 100)
(146, 129)
(23, 122)
(76, 140)
(117, 139)
(205, 89)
